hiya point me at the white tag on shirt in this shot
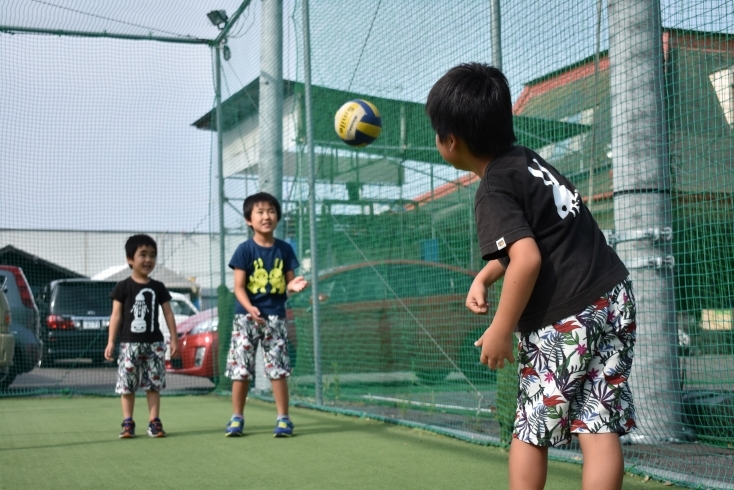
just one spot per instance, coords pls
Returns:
(501, 243)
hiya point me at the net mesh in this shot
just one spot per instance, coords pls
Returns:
(109, 129)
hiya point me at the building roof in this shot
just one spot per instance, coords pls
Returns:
(38, 271)
(417, 141)
(161, 273)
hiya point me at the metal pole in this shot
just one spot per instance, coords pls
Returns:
(270, 167)
(496, 32)
(231, 22)
(220, 164)
(312, 205)
(129, 37)
(641, 201)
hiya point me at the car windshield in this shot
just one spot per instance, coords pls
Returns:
(82, 298)
(181, 308)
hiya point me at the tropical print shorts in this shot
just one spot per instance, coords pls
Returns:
(573, 374)
(246, 335)
(141, 365)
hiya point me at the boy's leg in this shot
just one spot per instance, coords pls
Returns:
(528, 466)
(603, 467)
(278, 368)
(154, 403)
(239, 396)
(280, 393)
(128, 405)
(241, 368)
(153, 367)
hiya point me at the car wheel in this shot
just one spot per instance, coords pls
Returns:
(47, 360)
(98, 360)
(469, 360)
(7, 376)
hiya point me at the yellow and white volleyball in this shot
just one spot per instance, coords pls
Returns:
(358, 122)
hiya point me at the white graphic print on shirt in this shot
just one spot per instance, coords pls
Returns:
(140, 308)
(566, 202)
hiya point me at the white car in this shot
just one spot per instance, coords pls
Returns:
(182, 309)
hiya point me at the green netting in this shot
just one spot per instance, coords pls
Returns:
(109, 127)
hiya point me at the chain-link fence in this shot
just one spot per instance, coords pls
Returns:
(120, 120)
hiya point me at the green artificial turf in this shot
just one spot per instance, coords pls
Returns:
(56, 443)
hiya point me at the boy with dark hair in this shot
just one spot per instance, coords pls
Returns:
(565, 293)
(141, 364)
(263, 274)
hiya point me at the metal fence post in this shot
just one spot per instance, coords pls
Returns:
(642, 201)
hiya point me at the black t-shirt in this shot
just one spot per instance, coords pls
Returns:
(521, 196)
(266, 268)
(140, 304)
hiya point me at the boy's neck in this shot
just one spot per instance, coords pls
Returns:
(264, 240)
(479, 166)
(139, 278)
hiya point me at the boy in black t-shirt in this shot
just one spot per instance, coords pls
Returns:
(565, 292)
(263, 273)
(141, 361)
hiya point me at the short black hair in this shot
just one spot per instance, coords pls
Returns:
(472, 101)
(135, 242)
(250, 202)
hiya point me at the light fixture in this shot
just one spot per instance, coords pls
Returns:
(218, 17)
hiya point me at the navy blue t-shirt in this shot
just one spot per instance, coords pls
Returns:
(266, 268)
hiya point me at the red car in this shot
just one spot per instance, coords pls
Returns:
(198, 345)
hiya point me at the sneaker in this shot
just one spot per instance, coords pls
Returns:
(283, 428)
(155, 428)
(128, 429)
(234, 427)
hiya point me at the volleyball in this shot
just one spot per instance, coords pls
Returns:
(358, 122)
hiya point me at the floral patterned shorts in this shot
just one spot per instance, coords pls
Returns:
(573, 374)
(246, 335)
(141, 365)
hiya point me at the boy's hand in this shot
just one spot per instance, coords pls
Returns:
(297, 285)
(476, 300)
(255, 315)
(496, 347)
(109, 352)
(174, 348)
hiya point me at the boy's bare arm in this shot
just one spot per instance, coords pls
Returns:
(519, 282)
(114, 327)
(295, 284)
(476, 300)
(240, 282)
(171, 324)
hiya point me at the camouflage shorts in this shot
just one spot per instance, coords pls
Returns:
(141, 365)
(573, 374)
(246, 335)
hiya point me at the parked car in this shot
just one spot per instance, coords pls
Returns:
(76, 315)
(198, 344)
(7, 341)
(393, 315)
(25, 326)
(183, 309)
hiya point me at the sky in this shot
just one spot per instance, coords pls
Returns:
(96, 133)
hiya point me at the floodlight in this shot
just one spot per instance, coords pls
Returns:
(217, 17)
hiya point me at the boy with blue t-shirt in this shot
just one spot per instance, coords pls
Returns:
(263, 275)
(566, 294)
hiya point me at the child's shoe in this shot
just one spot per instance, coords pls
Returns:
(234, 427)
(155, 428)
(128, 429)
(283, 428)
